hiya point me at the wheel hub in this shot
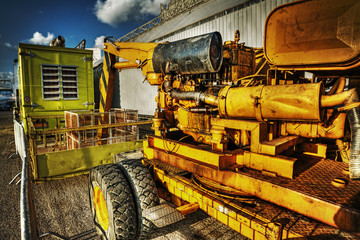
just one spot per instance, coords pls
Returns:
(101, 209)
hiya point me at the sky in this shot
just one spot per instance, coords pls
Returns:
(39, 21)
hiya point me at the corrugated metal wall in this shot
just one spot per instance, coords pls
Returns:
(249, 21)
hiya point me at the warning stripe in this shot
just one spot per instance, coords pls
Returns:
(102, 102)
(104, 83)
(104, 95)
(104, 80)
(107, 59)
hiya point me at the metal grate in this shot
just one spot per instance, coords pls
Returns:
(51, 82)
(59, 81)
(69, 82)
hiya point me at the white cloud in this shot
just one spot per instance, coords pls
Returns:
(113, 12)
(9, 45)
(99, 42)
(152, 6)
(38, 38)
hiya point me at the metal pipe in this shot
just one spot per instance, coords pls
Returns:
(125, 65)
(190, 95)
(338, 86)
(336, 99)
(24, 220)
(354, 120)
(21, 150)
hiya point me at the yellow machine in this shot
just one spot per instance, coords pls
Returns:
(246, 133)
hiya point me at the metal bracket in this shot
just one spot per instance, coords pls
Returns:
(87, 103)
(14, 178)
(32, 105)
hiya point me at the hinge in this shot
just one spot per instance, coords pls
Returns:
(30, 54)
(87, 59)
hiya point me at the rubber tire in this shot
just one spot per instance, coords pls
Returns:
(144, 191)
(119, 202)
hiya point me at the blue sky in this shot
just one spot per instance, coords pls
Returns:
(38, 21)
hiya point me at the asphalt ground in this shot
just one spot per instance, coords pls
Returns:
(62, 206)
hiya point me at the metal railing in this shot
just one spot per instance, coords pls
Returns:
(143, 28)
(28, 228)
(21, 150)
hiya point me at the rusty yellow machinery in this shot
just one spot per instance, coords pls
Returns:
(237, 127)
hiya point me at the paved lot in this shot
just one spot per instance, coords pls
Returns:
(62, 206)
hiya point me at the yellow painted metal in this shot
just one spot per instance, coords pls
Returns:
(279, 165)
(343, 149)
(90, 127)
(194, 122)
(257, 129)
(336, 99)
(316, 130)
(65, 163)
(101, 209)
(305, 204)
(158, 126)
(272, 102)
(219, 143)
(188, 208)
(313, 149)
(136, 53)
(215, 159)
(236, 217)
(270, 165)
(338, 87)
(125, 65)
(290, 42)
(279, 145)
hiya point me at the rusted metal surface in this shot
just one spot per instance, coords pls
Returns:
(293, 41)
(272, 102)
(192, 55)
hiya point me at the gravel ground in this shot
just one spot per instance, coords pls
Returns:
(10, 194)
(62, 206)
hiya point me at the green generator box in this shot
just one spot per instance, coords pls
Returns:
(53, 80)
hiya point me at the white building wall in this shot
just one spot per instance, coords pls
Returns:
(134, 94)
(249, 21)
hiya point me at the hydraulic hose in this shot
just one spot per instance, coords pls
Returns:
(354, 120)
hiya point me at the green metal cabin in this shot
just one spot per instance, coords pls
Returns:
(53, 80)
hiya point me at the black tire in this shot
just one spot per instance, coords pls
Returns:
(144, 191)
(120, 205)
